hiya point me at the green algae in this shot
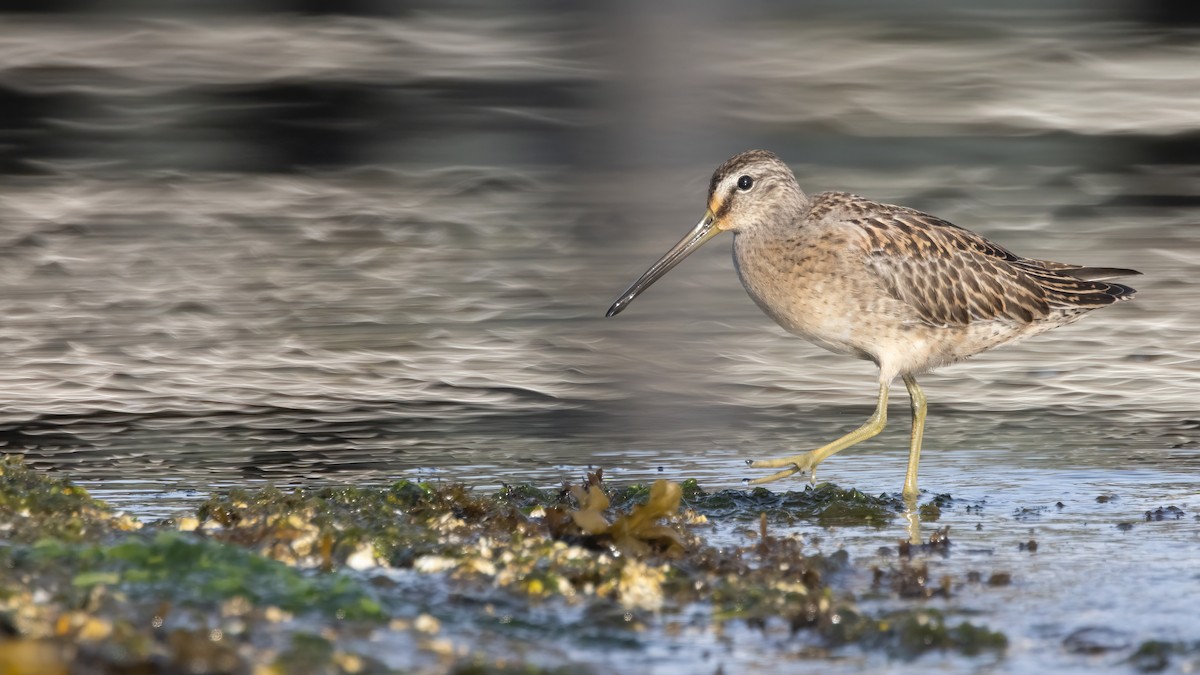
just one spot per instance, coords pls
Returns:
(1155, 656)
(528, 497)
(34, 506)
(312, 653)
(483, 667)
(191, 571)
(825, 503)
(1152, 656)
(910, 633)
(327, 525)
(628, 558)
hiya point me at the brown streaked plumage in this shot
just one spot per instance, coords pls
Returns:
(885, 283)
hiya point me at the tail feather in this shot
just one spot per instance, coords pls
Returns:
(1104, 293)
(1083, 287)
(1099, 273)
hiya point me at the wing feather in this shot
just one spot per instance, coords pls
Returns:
(952, 277)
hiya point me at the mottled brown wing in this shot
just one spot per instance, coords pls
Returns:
(953, 277)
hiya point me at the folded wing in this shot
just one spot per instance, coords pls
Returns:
(953, 277)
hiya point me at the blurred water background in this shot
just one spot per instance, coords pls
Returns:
(307, 243)
(248, 240)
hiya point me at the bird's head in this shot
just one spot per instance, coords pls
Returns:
(747, 191)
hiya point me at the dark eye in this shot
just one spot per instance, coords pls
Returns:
(745, 183)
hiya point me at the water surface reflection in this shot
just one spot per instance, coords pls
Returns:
(327, 250)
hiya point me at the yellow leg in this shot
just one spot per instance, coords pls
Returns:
(913, 517)
(917, 397)
(809, 460)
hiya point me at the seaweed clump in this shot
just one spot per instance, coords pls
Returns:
(83, 584)
(289, 578)
(1156, 656)
(825, 503)
(908, 634)
(35, 506)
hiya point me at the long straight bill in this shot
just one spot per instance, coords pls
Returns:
(703, 231)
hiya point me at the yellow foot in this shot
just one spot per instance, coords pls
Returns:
(792, 465)
(809, 460)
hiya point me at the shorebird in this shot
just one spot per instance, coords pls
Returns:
(889, 284)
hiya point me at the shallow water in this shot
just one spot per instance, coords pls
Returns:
(330, 250)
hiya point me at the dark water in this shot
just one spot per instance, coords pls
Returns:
(307, 249)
